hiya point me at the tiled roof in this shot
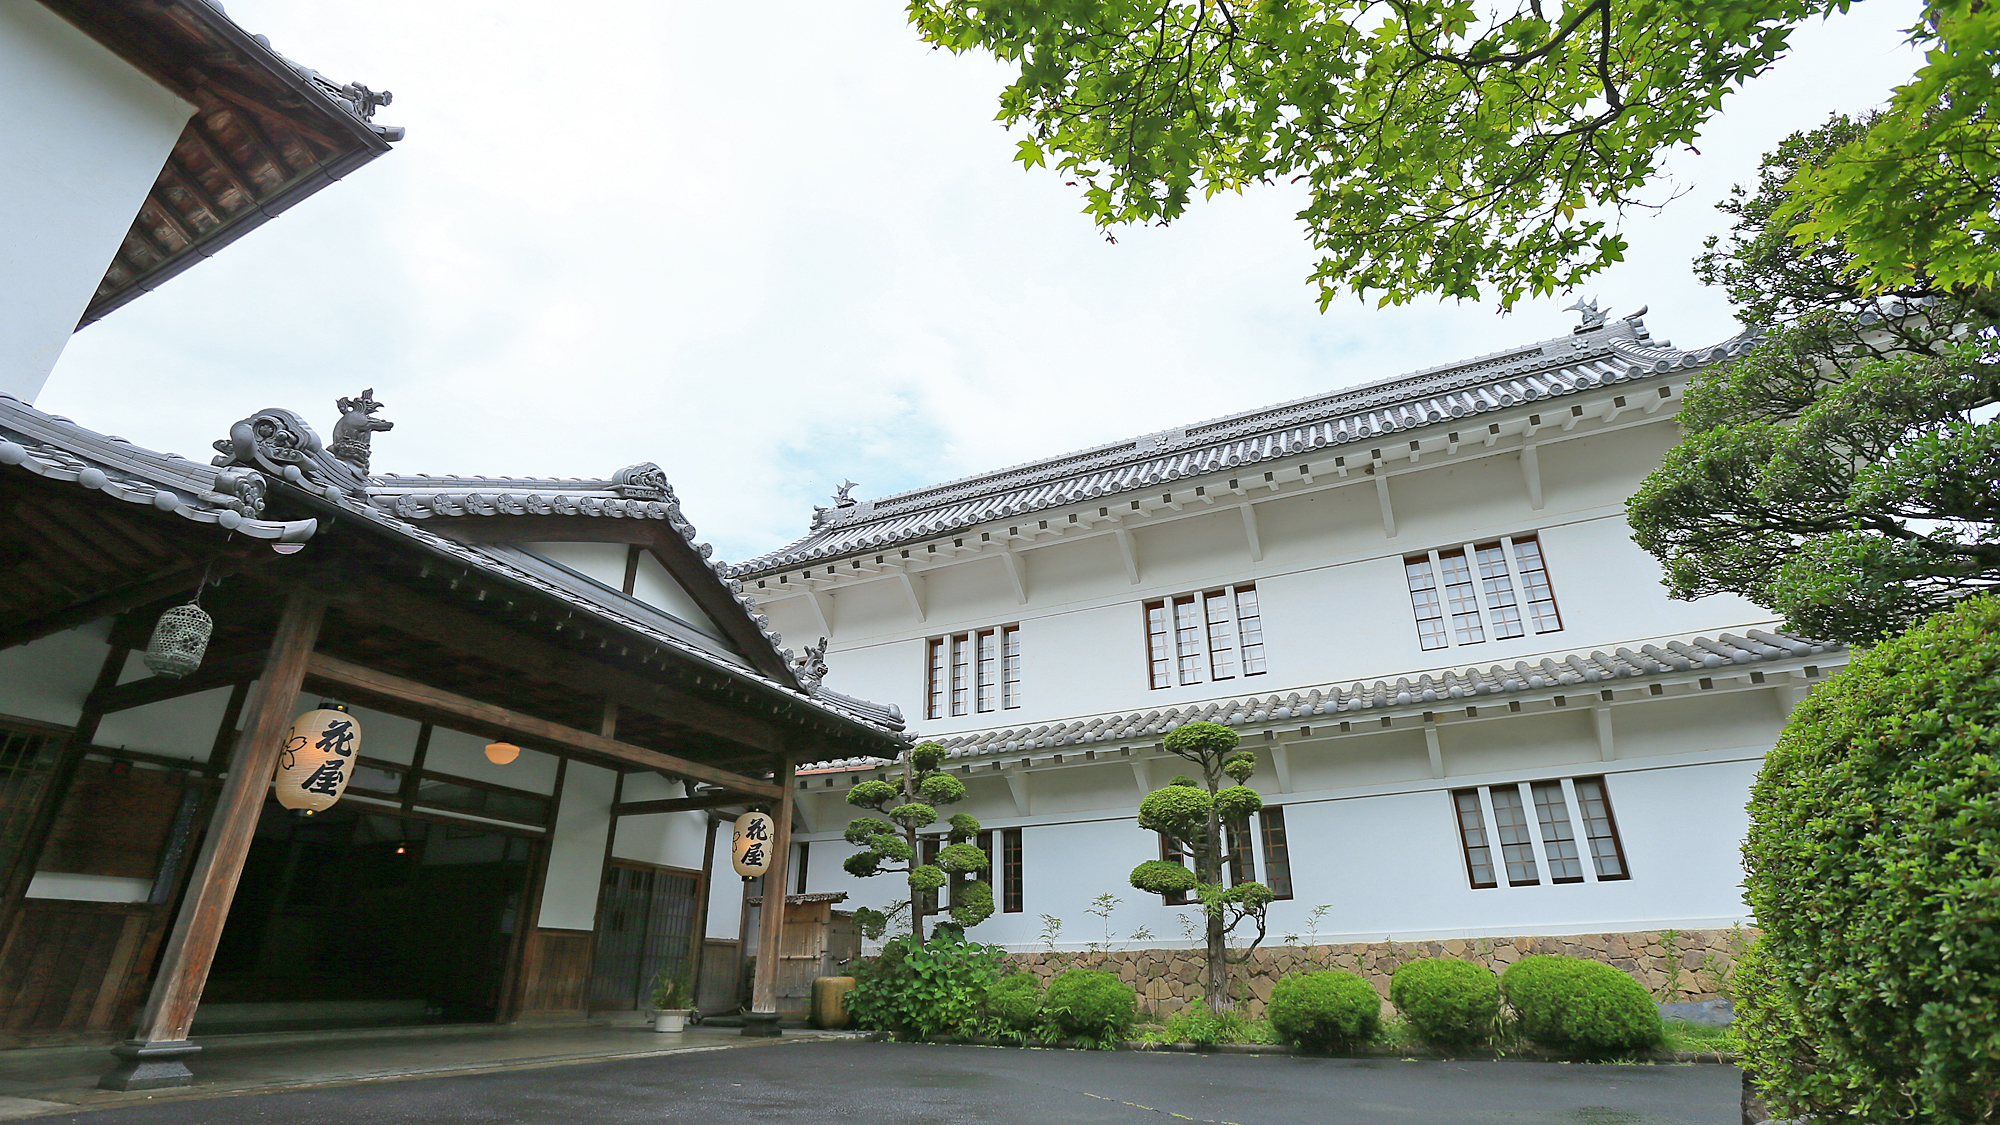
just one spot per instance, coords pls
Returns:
(59, 449)
(1619, 352)
(1447, 687)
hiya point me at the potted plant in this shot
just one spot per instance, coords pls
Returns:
(671, 986)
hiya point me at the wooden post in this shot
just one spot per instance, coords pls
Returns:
(762, 1018)
(153, 1058)
(698, 938)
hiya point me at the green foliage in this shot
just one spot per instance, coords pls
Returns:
(1160, 877)
(872, 794)
(913, 815)
(926, 877)
(958, 859)
(1205, 1027)
(1581, 1005)
(915, 988)
(1240, 765)
(1178, 810)
(1091, 1004)
(863, 828)
(1183, 779)
(1324, 1011)
(673, 983)
(971, 902)
(1447, 149)
(1200, 739)
(1014, 1003)
(942, 789)
(1248, 899)
(964, 826)
(862, 865)
(1874, 871)
(1448, 1002)
(1237, 802)
(926, 756)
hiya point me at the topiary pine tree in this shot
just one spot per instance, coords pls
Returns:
(1198, 816)
(911, 807)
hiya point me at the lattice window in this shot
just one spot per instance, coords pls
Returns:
(1535, 582)
(1205, 637)
(1472, 837)
(1462, 595)
(1601, 829)
(1010, 871)
(1550, 841)
(1277, 852)
(974, 672)
(1558, 838)
(1517, 848)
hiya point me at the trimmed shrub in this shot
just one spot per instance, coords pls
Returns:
(1324, 1010)
(914, 989)
(1091, 1004)
(1447, 1001)
(1874, 869)
(1583, 1006)
(1014, 1002)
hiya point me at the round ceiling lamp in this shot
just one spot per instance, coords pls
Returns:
(501, 753)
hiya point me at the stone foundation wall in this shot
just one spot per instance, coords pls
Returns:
(1673, 965)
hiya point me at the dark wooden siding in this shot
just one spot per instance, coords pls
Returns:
(557, 972)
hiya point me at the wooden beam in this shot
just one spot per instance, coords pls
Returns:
(226, 671)
(492, 718)
(146, 590)
(153, 1057)
(683, 804)
(382, 604)
(771, 925)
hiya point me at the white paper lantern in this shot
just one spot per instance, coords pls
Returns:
(318, 759)
(751, 851)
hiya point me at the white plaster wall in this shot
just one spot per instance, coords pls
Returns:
(604, 562)
(725, 892)
(464, 755)
(88, 888)
(654, 586)
(83, 139)
(181, 728)
(576, 849)
(668, 839)
(48, 679)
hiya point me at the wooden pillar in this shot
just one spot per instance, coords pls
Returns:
(762, 1019)
(153, 1058)
(698, 938)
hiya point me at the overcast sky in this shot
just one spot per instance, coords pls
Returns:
(771, 246)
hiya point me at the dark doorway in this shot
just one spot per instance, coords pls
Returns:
(644, 921)
(354, 918)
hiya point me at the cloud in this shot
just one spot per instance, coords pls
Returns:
(773, 246)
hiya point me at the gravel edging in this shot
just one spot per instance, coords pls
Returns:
(1480, 1054)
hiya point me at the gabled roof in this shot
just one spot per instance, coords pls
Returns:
(1593, 356)
(274, 453)
(1451, 687)
(266, 133)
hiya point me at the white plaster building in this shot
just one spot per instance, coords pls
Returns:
(1477, 712)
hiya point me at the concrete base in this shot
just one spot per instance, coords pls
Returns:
(149, 1066)
(761, 1024)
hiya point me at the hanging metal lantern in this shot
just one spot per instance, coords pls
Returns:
(318, 758)
(751, 850)
(179, 641)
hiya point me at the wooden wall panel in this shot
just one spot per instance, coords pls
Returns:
(113, 823)
(721, 989)
(67, 969)
(557, 967)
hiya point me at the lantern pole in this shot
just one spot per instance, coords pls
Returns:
(153, 1059)
(762, 1019)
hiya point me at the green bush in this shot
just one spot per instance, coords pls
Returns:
(1199, 1025)
(916, 989)
(1091, 1004)
(1325, 1010)
(1014, 1003)
(1874, 871)
(1446, 1001)
(1582, 1006)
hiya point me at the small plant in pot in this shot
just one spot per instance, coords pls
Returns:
(671, 988)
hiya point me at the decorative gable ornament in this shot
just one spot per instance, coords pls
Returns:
(318, 758)
(750, 851)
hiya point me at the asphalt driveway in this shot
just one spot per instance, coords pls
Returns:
(893, 1084)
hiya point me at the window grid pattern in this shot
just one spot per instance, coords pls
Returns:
(977, 671)
(927, 901)
(1600, 829)
(1242, 860)
(1499, 589)
(1472, 836)
(1277, 852)
(1424, 601)
(1535, 582)
(1461, 598)
(1198, 638)
(1010, 870)
(1558, 838)
(1517, 849)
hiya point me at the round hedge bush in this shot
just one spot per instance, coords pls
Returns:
(1582, 1006)
(1447, 1001)
(1015, 1002)
(1324, 1010)
(1091, 1004)
(942, 789)
(1874, 871)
